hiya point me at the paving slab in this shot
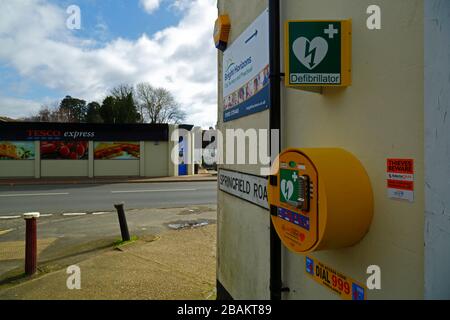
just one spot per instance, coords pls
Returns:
(175, 265)
(106, 180)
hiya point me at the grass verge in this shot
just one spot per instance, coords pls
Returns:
(120, 243)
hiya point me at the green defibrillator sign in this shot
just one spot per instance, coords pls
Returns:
(289, 186)
(318, 53)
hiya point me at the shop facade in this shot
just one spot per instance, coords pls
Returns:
(51, 150)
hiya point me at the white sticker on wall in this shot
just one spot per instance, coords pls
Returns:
(400, 179)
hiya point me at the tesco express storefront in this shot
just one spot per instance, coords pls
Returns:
(49, 150)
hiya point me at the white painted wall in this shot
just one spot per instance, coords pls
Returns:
(64, 168)
(437, 146)
(243, 229)
(116, 168)
(156, 159)
(380, 116)
(172, 150)
(17, 169)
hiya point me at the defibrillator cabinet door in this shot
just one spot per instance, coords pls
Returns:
(294, 199)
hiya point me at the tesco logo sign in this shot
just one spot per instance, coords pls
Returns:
(44, 133)
(52, 134)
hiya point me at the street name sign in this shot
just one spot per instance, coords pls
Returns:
(245, 186)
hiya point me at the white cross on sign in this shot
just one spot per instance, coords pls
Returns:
(331, 31)
(294, 176)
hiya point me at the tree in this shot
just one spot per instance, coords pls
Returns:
(93, 113)
(69, 110)
(107, 110)
(46, 114)
(73, 110)
(7, 119)
(122, 91)
(158, 105)
(126, 109)
(120, 107)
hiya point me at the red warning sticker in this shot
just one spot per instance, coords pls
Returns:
(403, 185)
(400, 166)
(400, 179)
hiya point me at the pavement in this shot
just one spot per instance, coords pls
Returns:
(212, 176)
(88, 198)
(162, 264)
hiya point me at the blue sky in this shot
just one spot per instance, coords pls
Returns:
(123, 18)
(120, 41)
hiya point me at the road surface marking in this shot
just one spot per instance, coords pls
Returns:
(45, 215)
(33, 195)
(100, 213)
(2, 232)
(147, 191)
(74, 214)
(10, 217)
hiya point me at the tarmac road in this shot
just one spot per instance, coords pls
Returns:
(66, 240)
(59, 199)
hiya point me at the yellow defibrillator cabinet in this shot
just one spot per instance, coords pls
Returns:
(319, 199)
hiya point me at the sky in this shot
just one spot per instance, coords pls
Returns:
(167, 43)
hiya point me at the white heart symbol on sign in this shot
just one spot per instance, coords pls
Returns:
(310, 53)
(287, 189)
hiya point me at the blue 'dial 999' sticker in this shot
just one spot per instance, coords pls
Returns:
(310, 265)
(357, 292)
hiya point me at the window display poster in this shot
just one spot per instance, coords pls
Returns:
(117, 150)
(17, 150)
(64, 150)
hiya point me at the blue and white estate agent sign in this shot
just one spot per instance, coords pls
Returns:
(246, 71)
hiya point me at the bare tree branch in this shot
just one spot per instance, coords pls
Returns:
(158, 104)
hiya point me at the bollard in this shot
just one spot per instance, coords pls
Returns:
(123, 222)
(31, 242)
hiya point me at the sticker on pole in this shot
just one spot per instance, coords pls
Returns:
(400, 179)
(318, 53)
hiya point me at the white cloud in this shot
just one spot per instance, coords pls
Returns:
(150, 5)
(181, 4)
(18, 108)
(182, 58)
